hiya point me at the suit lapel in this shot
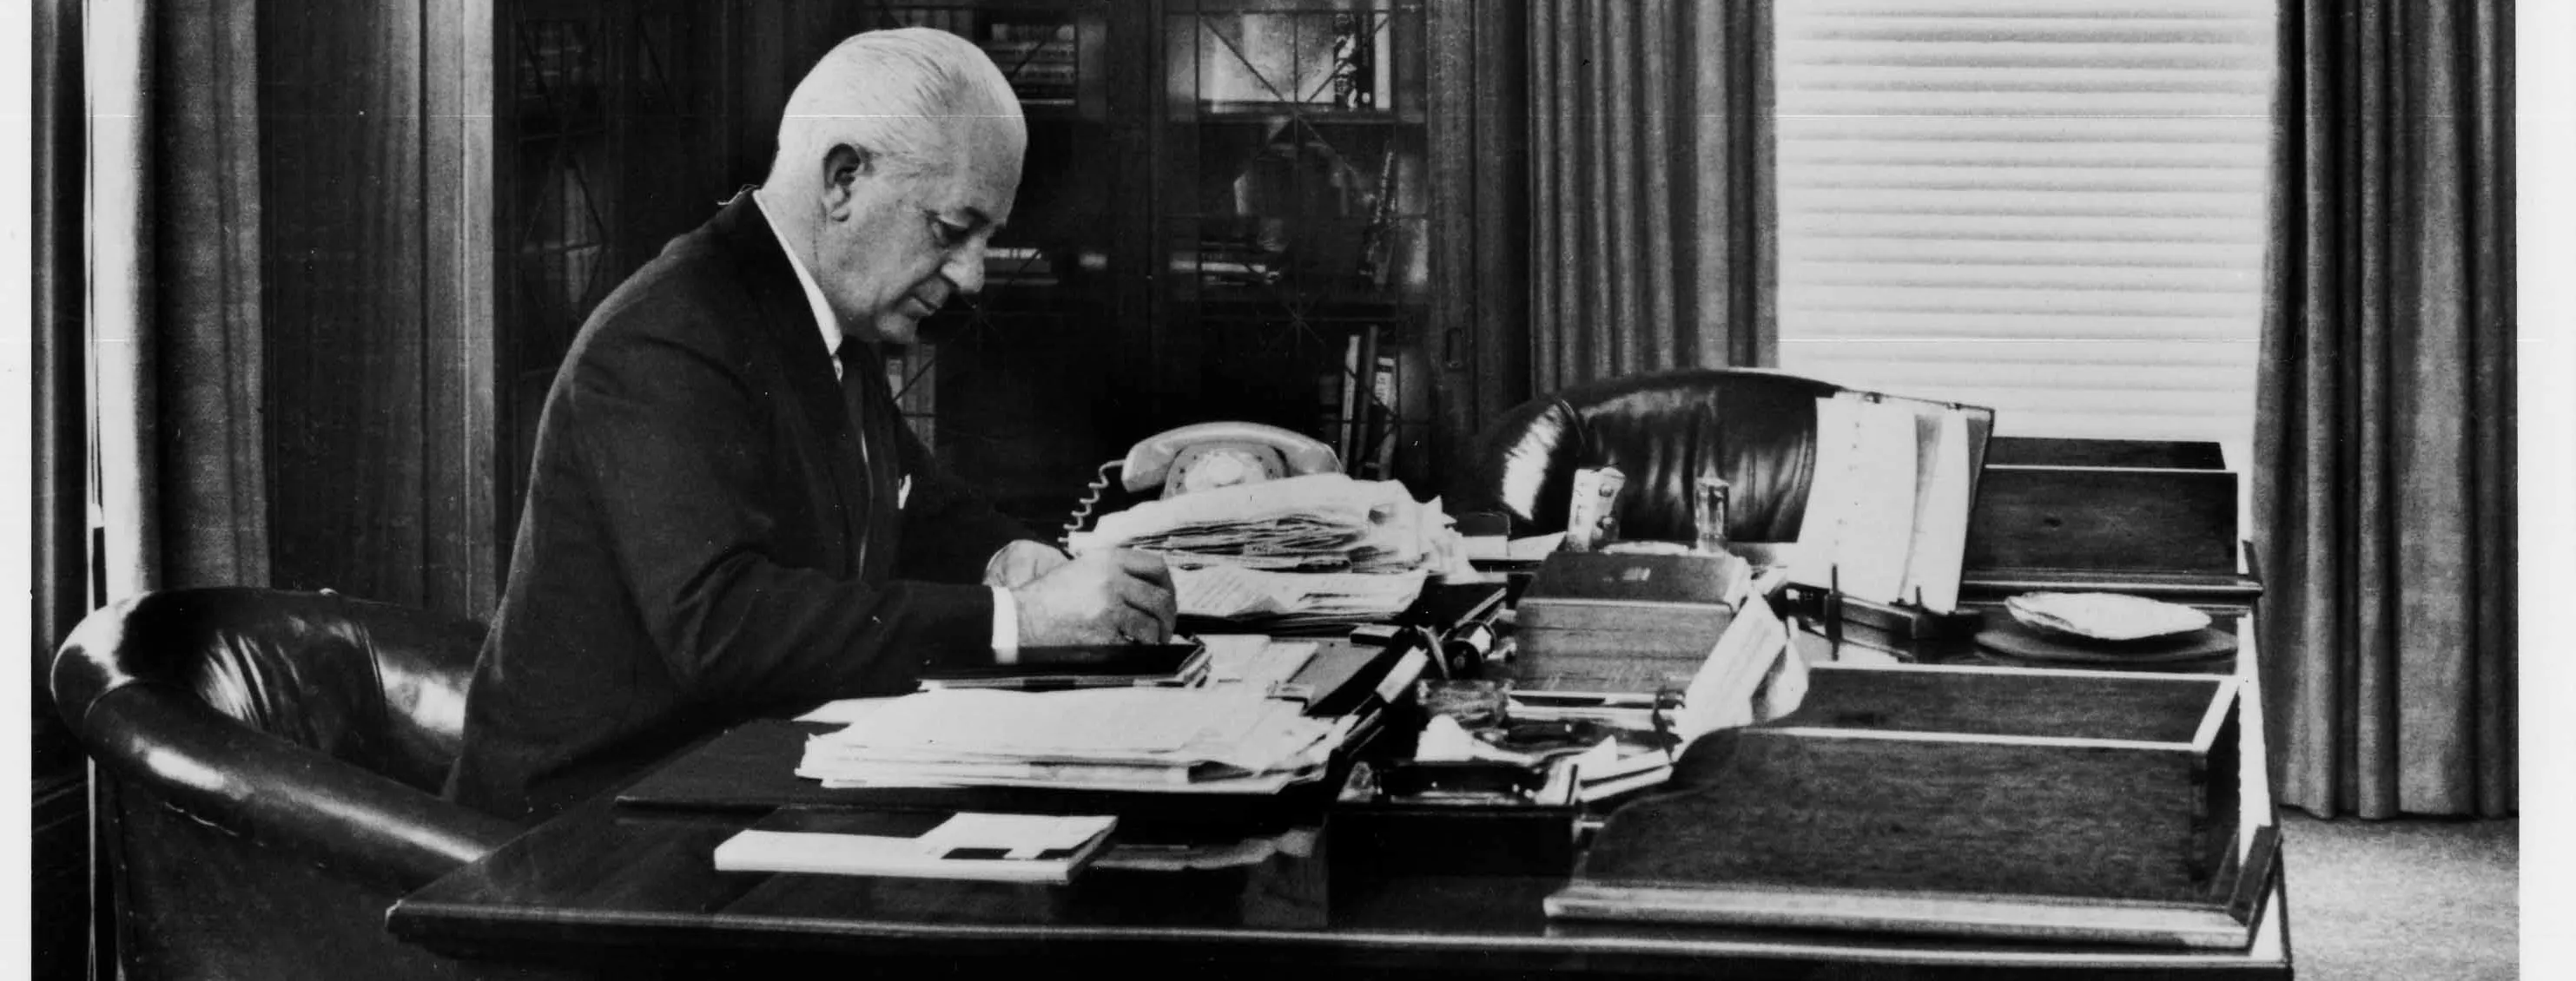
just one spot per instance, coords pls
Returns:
(789, 320)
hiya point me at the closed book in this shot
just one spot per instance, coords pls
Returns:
(1083, 666)
(1706, 621)
(1604, 674)
(1630, 579)
(955, 845)
(1610, 622)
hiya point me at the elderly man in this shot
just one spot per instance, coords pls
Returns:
(727, 517)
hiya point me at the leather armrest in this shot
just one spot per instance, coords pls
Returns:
(280, 795)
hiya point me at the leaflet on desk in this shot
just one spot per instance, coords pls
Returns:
(998, 847)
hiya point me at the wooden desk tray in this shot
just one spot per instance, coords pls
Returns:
(2130, 516)
(1958, 800)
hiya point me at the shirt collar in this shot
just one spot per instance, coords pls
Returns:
(824, 319)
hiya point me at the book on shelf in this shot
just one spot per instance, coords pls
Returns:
(1267, 63)
(1018, 266)
(1041, 60)
(1376, 240)
(1346, 442)
(1355, 80)
(1379, 461)
(954, 21)
(1357, 408)
(1030, 848)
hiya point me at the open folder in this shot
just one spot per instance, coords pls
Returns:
(1887, 512)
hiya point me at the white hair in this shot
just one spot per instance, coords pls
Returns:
(881, 92)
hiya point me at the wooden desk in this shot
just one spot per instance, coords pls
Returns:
(633, 892)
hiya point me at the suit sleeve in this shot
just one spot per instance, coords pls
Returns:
(672, 430)
(949, 532)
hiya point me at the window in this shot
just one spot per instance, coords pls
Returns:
(2056, 208)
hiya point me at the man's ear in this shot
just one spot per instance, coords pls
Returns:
(844, 166)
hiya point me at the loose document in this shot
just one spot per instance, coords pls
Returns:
(1229, 739)
(1289, 553)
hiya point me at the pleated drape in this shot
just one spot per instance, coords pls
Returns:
(1651, 225)
(2384, 484)
(175, 293)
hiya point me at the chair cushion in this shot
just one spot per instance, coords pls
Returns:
(1756, 429)
(376, 685)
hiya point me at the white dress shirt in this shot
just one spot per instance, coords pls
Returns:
(1006, 611)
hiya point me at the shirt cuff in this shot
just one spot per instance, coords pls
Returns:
(1006, 627)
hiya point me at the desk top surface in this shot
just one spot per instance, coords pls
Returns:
(616, 881)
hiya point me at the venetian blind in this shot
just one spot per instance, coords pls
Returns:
(2052, 207)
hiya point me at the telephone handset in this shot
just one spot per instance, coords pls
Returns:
(1222, 454)
(1209, 455)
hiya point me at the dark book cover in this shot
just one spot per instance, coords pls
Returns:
(1096, 665)
(1615, 577)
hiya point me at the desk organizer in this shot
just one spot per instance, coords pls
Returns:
(1379, 829)
(1952, 800)
(2148, 517)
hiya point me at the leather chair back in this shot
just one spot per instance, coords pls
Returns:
(270, 764)
(1664, 430)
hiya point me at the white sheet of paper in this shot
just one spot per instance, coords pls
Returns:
(1723, 693)
(1536, 547)
(1254, 661)
(1232, 591)
(1941, 516)
(1024, 835)
(844, 711)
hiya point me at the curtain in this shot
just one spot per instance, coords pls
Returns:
(2384, 484)
(174, 292)
(1652, 225)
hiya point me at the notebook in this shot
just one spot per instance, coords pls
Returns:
(1177, 664)
(956, 845)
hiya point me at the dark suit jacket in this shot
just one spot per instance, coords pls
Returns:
(705, 540)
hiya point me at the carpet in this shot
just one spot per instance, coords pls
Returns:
(2410, 898)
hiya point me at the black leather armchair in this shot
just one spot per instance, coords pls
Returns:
(1664, 431)
(271, 763)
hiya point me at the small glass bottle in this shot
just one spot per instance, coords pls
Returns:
(1709, 505)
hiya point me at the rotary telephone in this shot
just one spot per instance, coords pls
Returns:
(1209, 455)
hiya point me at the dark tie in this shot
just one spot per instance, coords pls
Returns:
(873, 416)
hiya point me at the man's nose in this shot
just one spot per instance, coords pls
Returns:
(965, 268)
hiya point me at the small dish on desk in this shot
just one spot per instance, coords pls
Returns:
(2112, 617)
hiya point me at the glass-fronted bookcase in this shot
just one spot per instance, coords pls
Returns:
(1226, 212)
(1290, 145)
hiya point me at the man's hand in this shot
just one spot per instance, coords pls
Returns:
(1107, 597)
(1021, 563)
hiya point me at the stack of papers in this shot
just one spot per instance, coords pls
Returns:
(1286, 602)
(1314, 550)
(1230, 739)
(1609, 769)
(1317, 522)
